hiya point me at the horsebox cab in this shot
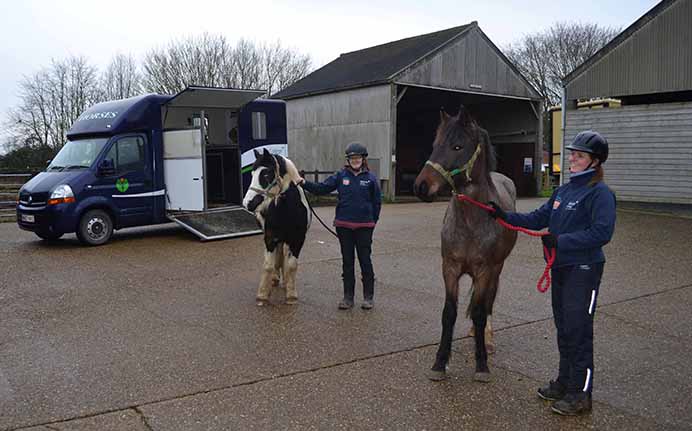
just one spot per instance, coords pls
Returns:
(152, 159)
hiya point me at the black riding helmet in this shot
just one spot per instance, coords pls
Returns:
(356, 148)
(592, 143)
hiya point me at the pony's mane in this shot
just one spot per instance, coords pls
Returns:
(291, 172)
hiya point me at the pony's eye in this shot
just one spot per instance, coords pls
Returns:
(457, 148)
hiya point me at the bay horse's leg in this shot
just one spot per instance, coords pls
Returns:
(451, 272)
(484, 291)
(268, 272)
(489, 341)
(290, 267)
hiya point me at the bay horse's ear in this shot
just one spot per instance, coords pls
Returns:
(464, 116)
(444, 116)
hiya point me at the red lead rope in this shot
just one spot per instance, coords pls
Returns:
(544, 281)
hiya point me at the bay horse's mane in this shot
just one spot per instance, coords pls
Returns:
(465, 130)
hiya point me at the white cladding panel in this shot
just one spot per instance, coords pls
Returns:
(320, 127)
(650, 149)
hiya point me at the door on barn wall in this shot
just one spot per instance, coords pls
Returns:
(516, 162)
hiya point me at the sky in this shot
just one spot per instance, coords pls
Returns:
(35, 31)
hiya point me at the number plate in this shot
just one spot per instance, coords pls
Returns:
(28, 218)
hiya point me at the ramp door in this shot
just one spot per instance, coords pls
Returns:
(218, 223)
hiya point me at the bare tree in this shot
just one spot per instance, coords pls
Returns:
(282, 67)
(209, 60)
(121, 79)
(544, 58)
(50, 101)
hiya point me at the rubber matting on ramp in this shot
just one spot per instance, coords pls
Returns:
(220, 223)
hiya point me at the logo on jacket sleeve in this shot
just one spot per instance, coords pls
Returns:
(346, 181)
(556, 203)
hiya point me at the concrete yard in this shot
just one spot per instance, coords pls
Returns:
(159, 331)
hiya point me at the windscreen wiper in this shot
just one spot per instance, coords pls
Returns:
(54, 167)
(67, 168)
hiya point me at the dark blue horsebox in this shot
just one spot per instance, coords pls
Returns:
(152, 159)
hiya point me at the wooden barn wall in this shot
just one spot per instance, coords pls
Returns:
(656, 58)
(650, 149)
(320, 127)
(468, 63)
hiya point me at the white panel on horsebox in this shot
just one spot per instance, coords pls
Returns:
(183, 170)
(182, 144)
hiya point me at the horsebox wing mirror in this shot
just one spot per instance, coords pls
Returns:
(106, 167)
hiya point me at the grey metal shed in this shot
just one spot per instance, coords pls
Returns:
(648, 67)
(389, 97)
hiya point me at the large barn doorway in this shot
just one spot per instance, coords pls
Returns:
(511, 124)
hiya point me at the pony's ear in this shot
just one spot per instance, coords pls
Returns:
(464, 116)
(257, 154)
(266, 153)
(444, 116)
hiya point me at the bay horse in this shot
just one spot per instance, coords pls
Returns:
(473, 243)
(282, 211)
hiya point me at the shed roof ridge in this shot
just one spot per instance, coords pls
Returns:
(461, 29)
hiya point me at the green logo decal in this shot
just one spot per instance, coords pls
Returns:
(122, 185)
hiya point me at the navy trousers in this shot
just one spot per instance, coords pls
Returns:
(574, 293)
(356, 241)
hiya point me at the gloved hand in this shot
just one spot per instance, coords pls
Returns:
(498, 213)
(549, 241)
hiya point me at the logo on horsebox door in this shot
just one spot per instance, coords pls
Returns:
(122, 185)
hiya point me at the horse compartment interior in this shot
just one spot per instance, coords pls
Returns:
(221, 150)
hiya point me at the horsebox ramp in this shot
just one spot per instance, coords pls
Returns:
(218, 223)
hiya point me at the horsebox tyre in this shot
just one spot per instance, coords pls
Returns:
(48, 236)
(95, 227)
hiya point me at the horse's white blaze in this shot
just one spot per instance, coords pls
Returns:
(254, 184)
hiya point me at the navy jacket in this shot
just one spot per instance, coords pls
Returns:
(581, 215)
(360, 198)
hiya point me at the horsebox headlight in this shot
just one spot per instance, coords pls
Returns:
(62, 194)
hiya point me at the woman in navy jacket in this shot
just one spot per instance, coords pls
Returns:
(580, 217)
(357, 212)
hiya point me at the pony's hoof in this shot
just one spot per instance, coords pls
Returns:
(262, 302)
(483, 377)
(490, 349)
(437, 376)
(291, 301)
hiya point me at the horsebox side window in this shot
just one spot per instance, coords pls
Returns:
(128, 154)
(259, 125)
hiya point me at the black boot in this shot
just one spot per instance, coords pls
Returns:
(553, 391)
(573, 404)
(368, 293)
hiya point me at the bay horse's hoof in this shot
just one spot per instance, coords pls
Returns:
(483, 377)
(291, 301)
(437, 376)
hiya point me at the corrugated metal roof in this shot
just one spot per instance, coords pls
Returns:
(372, 65)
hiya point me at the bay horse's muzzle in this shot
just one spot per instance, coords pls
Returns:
(426, 185)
